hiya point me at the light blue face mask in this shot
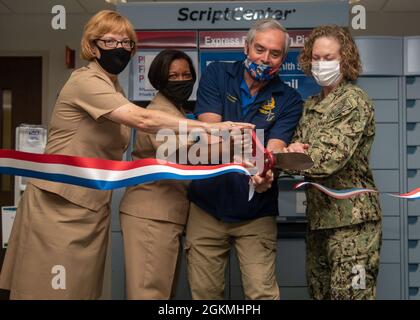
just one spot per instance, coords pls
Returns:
(260, 72)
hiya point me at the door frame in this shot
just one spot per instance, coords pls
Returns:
(4, 294)
(45, 79)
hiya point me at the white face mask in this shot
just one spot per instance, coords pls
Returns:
(326, 73)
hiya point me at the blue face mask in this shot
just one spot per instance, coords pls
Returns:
(260, 72)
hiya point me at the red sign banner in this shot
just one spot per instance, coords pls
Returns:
(236, 39)
(166, 39)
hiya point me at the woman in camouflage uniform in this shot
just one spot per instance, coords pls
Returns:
(337, 130)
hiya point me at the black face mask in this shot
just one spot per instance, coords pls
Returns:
(178, 91)
(115, 60)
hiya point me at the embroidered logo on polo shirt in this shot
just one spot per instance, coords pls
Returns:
(267, 109)
(231, 98)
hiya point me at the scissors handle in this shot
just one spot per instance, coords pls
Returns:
(268, 156)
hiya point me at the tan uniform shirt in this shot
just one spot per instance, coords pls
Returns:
(77, 128)
(164, 200)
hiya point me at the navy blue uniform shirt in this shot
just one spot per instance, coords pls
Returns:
(276, 109)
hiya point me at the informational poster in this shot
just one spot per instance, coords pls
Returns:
(292, 74)
(142, 88)
(206, 46)
(298, 37)
(150, 43)
(208, 57)
(228, 46)
(7, 217)
(31, 138)
(222, 39)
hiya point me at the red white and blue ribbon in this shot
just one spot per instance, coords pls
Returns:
(412, 195)
(104, 174)
(109, 174)
(348, 193)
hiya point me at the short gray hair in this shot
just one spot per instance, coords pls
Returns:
(265, 24)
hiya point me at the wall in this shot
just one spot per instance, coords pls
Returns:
(33, 35)
(390, 24)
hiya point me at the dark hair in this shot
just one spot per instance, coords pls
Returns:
(159, 69)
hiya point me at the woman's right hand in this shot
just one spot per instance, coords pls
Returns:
(297, 147)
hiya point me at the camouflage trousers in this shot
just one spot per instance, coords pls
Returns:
(343, 263)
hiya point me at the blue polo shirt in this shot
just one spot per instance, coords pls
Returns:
(277, 109)
(247, 99)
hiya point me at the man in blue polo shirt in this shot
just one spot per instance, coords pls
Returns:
(220, 213)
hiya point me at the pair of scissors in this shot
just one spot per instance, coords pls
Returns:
(288, 161)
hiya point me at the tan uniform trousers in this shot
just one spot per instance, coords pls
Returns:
(152, 251)
(57, 249)
(207, 248)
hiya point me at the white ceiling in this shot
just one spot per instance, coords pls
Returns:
(92, 6)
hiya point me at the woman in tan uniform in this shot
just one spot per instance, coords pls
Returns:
(58, 243)
(153, 215)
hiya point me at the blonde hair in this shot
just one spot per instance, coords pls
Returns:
(350, 63)
(105, 21)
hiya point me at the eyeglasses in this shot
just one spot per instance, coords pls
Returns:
(112, 43)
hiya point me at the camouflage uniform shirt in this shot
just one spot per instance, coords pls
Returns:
(339, 130)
